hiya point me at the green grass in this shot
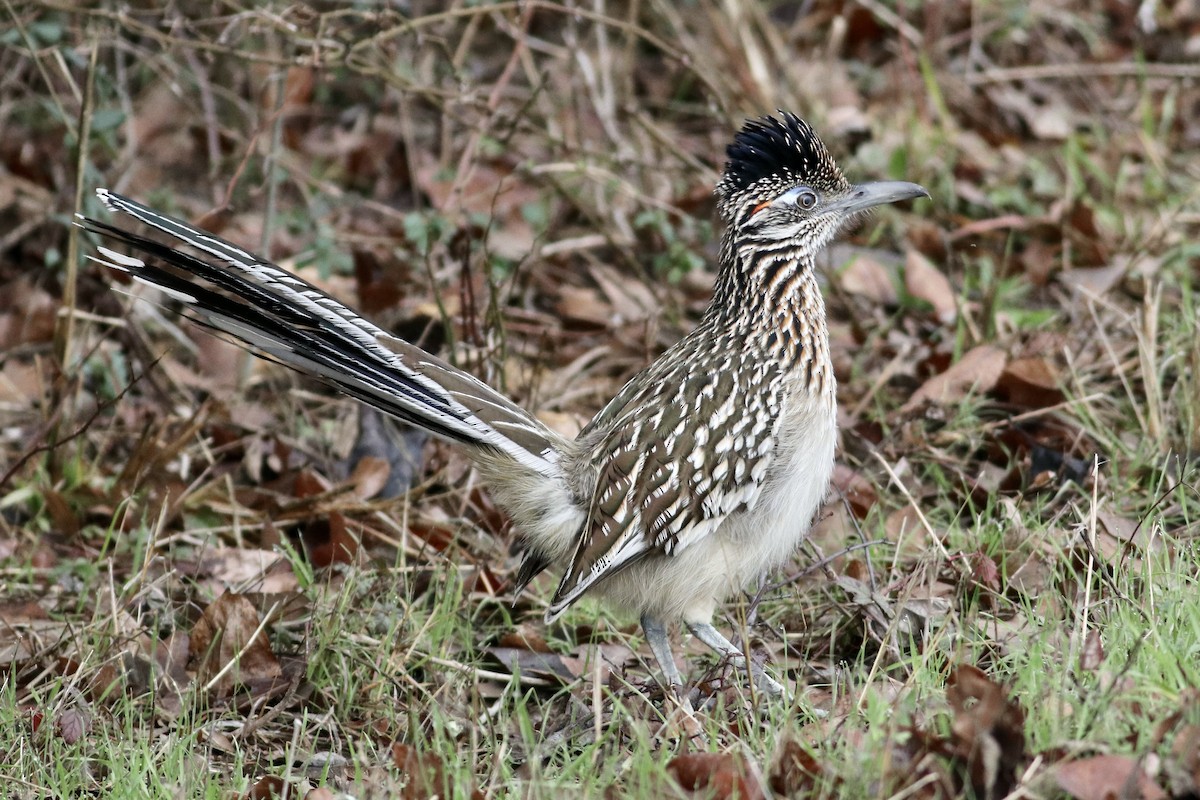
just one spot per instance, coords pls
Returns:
(124, 528)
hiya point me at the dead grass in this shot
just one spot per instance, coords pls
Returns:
(215, 579)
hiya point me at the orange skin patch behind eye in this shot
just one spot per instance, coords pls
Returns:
(760, 207)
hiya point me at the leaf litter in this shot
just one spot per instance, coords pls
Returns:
(237, 511)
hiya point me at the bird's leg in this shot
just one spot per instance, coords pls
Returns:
(712, 637)
(660, 645)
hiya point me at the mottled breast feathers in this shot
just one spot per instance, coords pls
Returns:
(662, 481)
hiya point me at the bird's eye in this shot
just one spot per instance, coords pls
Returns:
(801, 197)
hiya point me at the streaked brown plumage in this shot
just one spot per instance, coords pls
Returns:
(704, 471)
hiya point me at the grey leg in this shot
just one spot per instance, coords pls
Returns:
(684, 719)
(712, 637)
(660, 645)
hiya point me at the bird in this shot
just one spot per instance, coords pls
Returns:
(702, 473)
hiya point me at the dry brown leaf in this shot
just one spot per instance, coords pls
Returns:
(218, 363)
(1030, 383)
(1124, 530)
(310, 484)
(228, 631)
(562, 423)
(25, 632)
(1033, 577)
(905, 529)
(631, 301)
(225, 567)
(1052, 119)
(832, 529)
(1092, 654)
(797, 772)
(598, 662)
(583, 304)
(270, 787)
(926, 282)
(425, 772)
(857, 491)
(73, 723)
(61, 513)
(866, 277)
(984, 571)
(327, 540)
(1106, 777)
(526, 636)
(28, 314)
(1040, 259)
(988, 731)
(975, 373)
(1094, 281)
(487, 190)
(716, 775)
(21, 383)
(1184, 763)
(369, 477)
(546, 666)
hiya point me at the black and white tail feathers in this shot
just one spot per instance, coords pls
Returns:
(287, 319)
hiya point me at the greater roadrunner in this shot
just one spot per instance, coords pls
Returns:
(702, 473)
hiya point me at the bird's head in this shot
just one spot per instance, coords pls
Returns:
(781, 186)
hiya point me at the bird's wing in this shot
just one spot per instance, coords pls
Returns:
(665, 482)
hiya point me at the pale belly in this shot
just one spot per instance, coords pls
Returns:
(691, 584)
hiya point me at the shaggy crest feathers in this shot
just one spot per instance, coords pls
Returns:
(772, 154)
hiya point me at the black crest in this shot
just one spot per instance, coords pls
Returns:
(773, 153)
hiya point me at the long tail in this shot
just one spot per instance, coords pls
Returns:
(287, 319)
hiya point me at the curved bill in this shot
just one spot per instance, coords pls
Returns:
(878, 193)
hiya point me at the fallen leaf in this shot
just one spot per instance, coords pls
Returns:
(1040, 259)
(1092, 655)
(797, 772)
(631, 301)
(984, 571)
(866, 277)
(533, 664)
(975, 373)
(1029, 383)
(926, 282)
(857, 491)
(1094, 281)
(310, 484)
(1107, 777)
(269, 787)
(526, 636)
(988, 731)
(28, 314)
(228, 631)
(424, 770)
(1184, 764)
(327, 540)
(226, 567)
(584, 304)
(490, 190)
(73, 724)
(369, 477)
(717, 775)
(21, 383)
(1051, 119)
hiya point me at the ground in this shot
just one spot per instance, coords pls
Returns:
(218, 579)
